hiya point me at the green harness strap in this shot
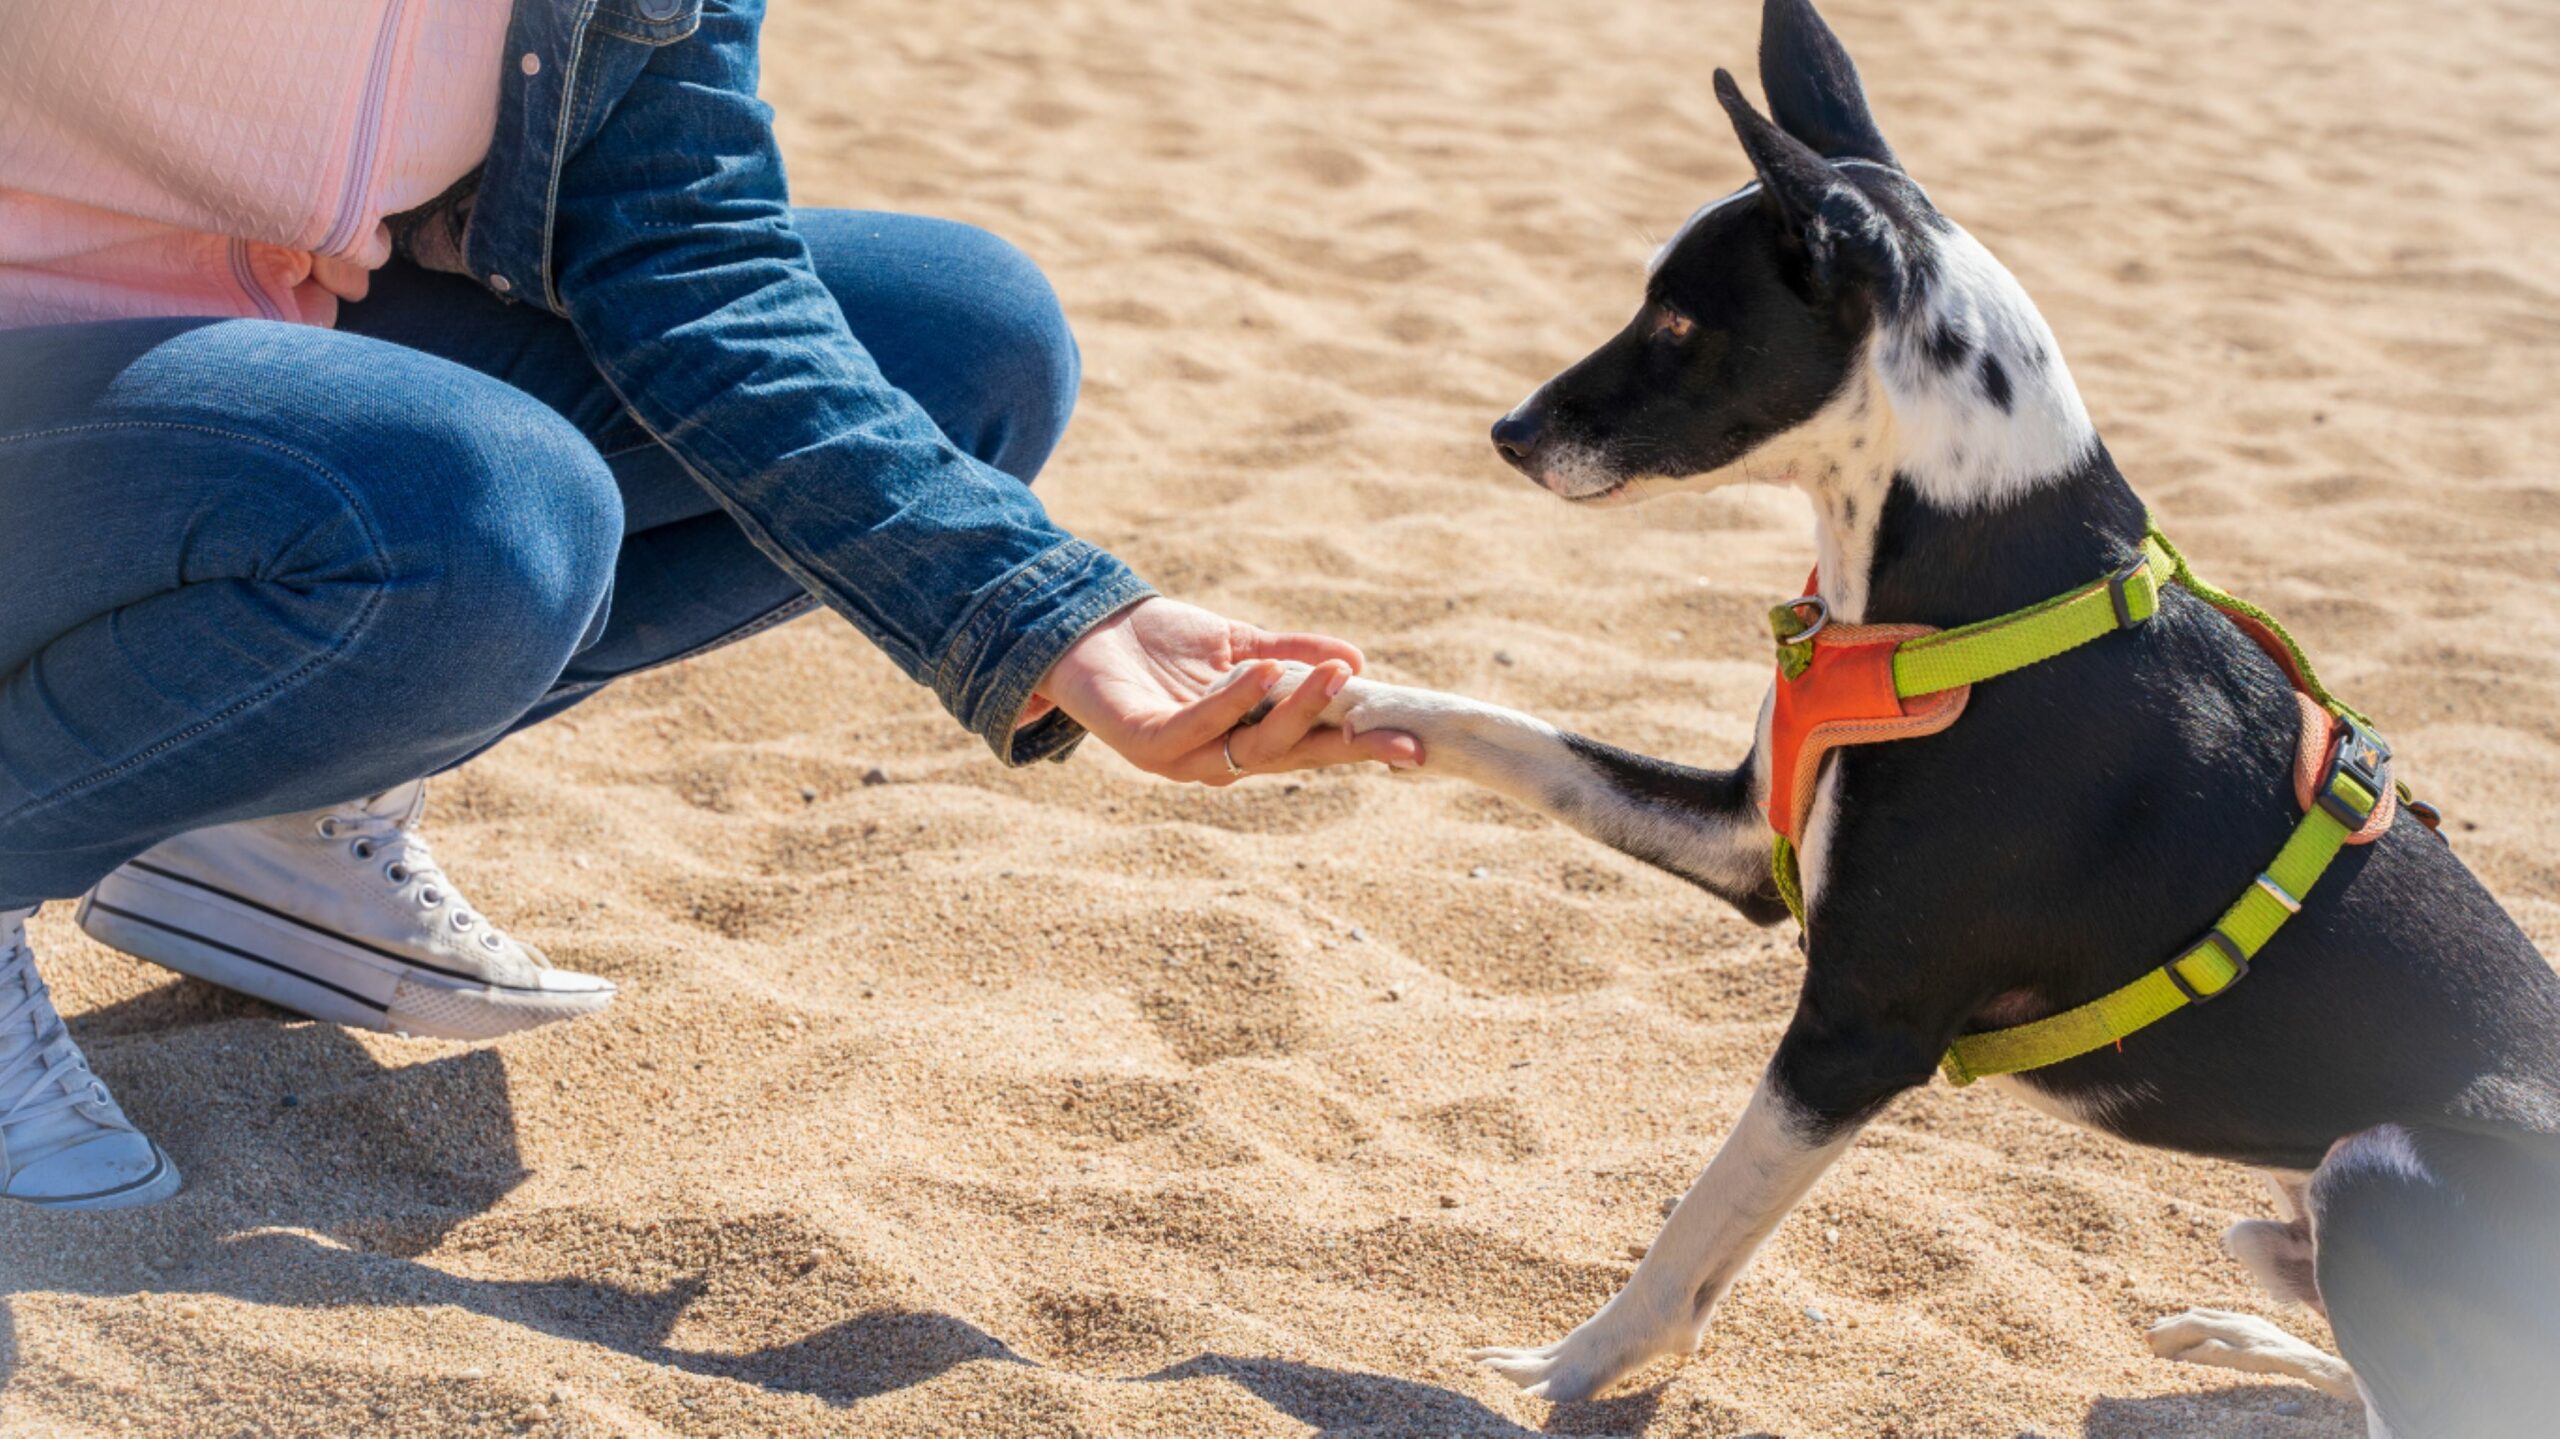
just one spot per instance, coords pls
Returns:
(2216, 963)
(2007, 643)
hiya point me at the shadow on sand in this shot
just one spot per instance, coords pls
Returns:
(441, 1135)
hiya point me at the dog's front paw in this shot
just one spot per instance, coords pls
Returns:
(1579, 1365)
(1435, 718)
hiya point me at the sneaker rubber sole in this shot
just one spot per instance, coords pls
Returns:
(225, 939)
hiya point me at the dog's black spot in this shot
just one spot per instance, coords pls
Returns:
(1995, 381)
(1848, 514)
(1859, 443)
(1948, 346)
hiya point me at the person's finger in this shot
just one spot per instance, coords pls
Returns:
(1291, 718)
(1203, 720)
(1306, 649)
(1325, 748)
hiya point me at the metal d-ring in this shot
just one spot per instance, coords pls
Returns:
(1821, 618)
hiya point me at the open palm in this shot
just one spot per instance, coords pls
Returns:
(1163, 683)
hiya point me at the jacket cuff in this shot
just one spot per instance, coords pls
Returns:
(1015, 637)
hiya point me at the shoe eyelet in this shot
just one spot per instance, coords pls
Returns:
(328, 828)
(462, 919)
(396, 872)
(363, 848)
(489, 939)
(431, 897)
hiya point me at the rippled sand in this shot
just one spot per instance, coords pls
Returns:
(985, 1103)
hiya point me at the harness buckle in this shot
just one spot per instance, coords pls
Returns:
(2364, 757)
(2116, 591)
(2230, 947)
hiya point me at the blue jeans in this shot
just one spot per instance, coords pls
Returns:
(248, 568)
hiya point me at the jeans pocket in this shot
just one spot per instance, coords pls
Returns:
(650, 22)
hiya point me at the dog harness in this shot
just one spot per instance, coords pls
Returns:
(1842, 684)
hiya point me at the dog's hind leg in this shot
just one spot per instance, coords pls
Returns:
(2278, 1251)
(2439, 1252)
(2220, 1339)
(2280, 1254)
(1702, 825)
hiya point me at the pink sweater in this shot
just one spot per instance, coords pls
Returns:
(173, 157)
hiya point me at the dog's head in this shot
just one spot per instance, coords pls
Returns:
(1803, 315)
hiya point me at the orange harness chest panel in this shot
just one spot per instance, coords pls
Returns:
(1844, 695)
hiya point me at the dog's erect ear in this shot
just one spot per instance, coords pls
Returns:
(1845, 241)
(1813, 88)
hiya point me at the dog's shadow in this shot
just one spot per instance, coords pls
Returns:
(1347, 1401)
(2289, 1411)
(441, 1136)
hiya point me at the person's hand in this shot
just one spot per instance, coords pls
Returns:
(1163, 682)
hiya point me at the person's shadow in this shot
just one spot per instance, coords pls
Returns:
(331, 1171)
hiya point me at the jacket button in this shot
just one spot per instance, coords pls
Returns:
(531, 64)
(501, 284)
(661, 10)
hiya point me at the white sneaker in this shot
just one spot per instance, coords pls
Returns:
(63, 1142)
(340, 914)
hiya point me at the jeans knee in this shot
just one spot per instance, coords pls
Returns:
(1032, 348)
(974, 331)
(502, 527)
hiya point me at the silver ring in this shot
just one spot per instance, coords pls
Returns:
(1226, 748)
(1821, 618)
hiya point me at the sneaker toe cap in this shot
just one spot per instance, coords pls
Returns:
(101, 1169)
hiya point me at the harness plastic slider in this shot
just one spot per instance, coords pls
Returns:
(2229, 946)
(2116, 594)
(2279, 894)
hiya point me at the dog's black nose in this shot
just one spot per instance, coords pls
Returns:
(1516, 436)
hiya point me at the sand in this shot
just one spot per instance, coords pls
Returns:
(1066, 1102)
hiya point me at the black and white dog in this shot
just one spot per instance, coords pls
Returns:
(2393, 1063)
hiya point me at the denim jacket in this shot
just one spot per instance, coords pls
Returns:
(635, 188)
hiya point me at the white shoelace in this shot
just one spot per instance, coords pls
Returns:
(407, 863)
(41, 1072)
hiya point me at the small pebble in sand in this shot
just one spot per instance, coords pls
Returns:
(1359, 935)
(191, 1311)
(1478, 872)
(1638, 1251)
(1448, 1201)
(808, 795)
(533, 1414)
(875, 775)
(1395, 991)
(562, 1394)
(1816, 1315)
(1831, 1236)
(473, 1373)
(1504, 659)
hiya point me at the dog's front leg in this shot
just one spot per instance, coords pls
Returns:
(1766, 1166)
(1839, 1064)
(1702, 825)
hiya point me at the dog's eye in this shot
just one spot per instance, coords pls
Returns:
(1670, 324)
